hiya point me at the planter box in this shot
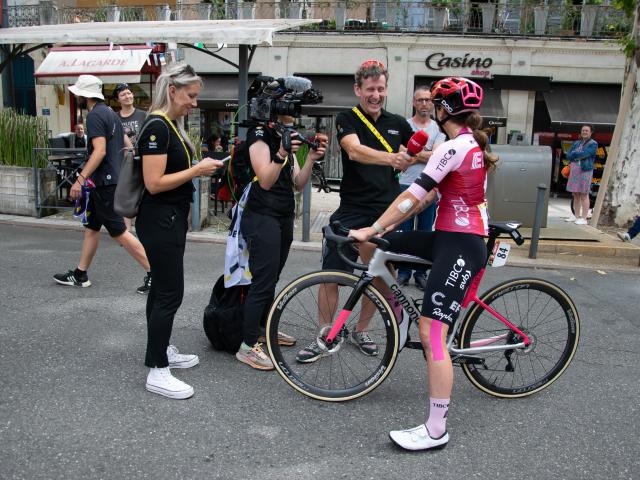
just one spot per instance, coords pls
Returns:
(488, 17)
(440, 18)
(17, 189)
(587, 20)
(540, 16)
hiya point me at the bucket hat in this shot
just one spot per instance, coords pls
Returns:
(87, 86)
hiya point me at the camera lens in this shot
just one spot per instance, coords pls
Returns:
(288, 108)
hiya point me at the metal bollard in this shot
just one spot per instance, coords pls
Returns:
(537, 221)
(306, 212)
(195, 206)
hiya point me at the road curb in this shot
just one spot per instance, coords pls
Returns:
(551, 254)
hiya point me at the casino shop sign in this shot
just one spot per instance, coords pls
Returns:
(480, 66)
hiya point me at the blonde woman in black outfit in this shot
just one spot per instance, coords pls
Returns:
(162, 220)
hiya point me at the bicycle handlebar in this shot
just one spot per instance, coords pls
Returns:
(329, 232)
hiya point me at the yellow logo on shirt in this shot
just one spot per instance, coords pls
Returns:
(152, 138)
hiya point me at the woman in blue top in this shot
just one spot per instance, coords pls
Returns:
(581, 155)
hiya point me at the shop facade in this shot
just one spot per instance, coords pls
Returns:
(56, 68)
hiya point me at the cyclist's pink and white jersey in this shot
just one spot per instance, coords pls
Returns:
(457, 167)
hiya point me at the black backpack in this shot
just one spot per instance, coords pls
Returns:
(239, 170)
(223, 316)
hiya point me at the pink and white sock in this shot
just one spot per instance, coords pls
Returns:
(437, 421)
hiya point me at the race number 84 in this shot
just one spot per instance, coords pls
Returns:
(500, 254)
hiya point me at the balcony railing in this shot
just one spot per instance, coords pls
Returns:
(524, 17)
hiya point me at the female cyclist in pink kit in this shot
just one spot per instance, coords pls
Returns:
(457, 249)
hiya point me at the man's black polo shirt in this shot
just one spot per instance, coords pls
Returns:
(104, 122)
(370, 189)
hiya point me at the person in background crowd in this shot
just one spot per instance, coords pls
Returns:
(632, 232)
(216, 144)
(166, 153)
(369, 185)
(267, 227)
(420, 121)
(579, 182)
(78, 139)
(132, 118)
(106, 144)
(459, 168)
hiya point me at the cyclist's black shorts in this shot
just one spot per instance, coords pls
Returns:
(457, 258)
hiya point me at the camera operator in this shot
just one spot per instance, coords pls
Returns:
(268, 216)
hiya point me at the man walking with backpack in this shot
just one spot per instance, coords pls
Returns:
(106, 142)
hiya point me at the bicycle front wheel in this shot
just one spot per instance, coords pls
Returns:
(342, 371)
(545, 313)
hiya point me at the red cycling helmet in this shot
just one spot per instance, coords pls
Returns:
(457, 95)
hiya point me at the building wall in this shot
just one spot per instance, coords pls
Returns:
(54, 98)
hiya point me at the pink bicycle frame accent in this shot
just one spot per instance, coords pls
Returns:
(338, 324)
(472, 296)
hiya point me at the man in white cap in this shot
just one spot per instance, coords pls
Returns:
(106, 141)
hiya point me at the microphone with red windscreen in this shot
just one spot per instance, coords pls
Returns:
(417, 142)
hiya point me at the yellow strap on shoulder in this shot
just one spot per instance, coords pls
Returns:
(162, 114)
(373, 129)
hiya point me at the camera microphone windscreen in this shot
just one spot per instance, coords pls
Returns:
(417, 142)
(297, 84)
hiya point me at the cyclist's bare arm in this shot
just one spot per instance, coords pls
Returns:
(405, 206)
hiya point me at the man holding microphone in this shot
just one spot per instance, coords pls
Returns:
(372, 143)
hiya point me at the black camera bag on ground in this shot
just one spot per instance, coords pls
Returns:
(223, 316)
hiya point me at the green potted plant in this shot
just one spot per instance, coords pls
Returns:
(19, 135)
(569, 18)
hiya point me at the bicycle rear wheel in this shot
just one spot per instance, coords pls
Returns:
(545, 313)
(344, 372)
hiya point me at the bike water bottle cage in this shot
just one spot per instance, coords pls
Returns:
(457, 95)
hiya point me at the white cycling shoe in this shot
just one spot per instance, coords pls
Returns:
(418, 438)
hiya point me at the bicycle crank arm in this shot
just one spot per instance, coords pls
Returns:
(491, 348)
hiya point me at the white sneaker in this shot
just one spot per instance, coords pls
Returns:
(625, 237)
(572, 218)
(418, 438)
(161, 381)
(178, 360)
(581, 221)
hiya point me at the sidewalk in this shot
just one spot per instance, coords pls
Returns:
(561, 245)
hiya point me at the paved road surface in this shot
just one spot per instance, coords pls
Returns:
(73, 403)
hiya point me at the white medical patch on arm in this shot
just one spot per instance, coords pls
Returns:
(405, 205)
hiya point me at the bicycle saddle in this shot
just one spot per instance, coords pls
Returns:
(510, 228)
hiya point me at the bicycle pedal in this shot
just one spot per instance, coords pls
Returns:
(413, 345)
(465, 360)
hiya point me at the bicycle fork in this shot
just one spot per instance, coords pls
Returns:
(349, 305)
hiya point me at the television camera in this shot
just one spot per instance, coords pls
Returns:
(270, 97)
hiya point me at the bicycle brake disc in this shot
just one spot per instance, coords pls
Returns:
(333, 346)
